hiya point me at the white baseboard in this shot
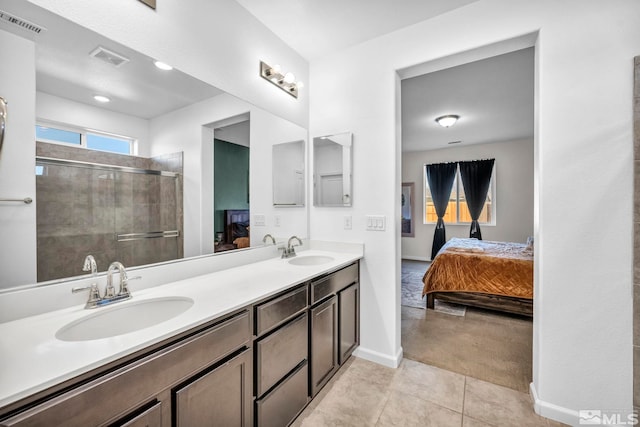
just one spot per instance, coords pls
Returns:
(551, 411)
(379, 358)
(415, 258)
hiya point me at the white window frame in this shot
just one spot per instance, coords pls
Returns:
(458, 182)
(133, 143)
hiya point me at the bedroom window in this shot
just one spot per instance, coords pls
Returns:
(457, 210)
(93, 140)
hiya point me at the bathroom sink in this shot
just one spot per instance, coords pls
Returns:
(311, 260)
(119, 320)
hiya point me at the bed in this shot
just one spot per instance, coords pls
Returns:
(485, 274)
(236, 230)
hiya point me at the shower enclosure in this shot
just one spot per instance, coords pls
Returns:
(113, 212)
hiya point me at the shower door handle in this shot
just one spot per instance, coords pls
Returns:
(3, 119)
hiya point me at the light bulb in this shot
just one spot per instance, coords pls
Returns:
(163, 66)
(289, 78)
(101, 98)
(276, 69)
(300, 85)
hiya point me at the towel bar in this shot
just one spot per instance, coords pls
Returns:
(26, 200)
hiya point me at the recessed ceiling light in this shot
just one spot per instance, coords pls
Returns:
(448, 120)
(163, 66)
(101, 98)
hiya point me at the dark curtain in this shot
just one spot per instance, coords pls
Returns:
(476, 177)
(440, 177)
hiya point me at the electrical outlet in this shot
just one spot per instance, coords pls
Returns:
(347, 222)
(277, 219)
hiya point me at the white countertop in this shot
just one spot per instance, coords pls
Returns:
(32, 359)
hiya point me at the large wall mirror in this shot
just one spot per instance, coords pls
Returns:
(190, 181)
(288, 174)
(332, 175)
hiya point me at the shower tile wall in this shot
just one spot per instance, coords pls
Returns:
(80, 211)
(636, 227)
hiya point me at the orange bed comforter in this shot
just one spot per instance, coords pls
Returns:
(470, 265)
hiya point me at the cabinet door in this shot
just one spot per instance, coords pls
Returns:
(348, 303)
(221, 397)
(152, 417)
(324, 343)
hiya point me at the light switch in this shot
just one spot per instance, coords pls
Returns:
(376, 223)
(258, 220)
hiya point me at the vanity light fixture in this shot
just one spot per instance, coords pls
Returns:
(101, 98)
(448, 120)
(285, 81)
(163, 65)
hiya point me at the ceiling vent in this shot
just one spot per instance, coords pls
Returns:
(23, 23)
(109, 56)
(453, 142)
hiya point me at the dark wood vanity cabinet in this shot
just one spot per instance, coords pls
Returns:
(334, 323)
(189, 374)
(257, 367)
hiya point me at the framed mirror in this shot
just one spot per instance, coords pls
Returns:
(288, 174)
(408, 189)
(332, 174)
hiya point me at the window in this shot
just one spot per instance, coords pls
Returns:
(457, 210)
(68, 135)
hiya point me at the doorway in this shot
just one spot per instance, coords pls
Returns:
(484, 344)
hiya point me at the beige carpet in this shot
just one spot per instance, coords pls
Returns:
(485, 345)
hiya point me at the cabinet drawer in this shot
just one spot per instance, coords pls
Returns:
(285, 402)
(277, 354)
(333, 283)
(116, 393)
(278, 310)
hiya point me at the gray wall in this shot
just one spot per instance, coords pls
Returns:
(514, 193)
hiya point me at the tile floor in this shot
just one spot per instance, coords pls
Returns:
(363, 394)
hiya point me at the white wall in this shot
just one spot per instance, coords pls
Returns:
(187, 130)
(17, 162)
(59, 110)
(219, 42)
(583, 164)
(513, 198)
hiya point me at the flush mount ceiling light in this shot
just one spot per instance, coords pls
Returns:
(448, 120)
(163, 65)
(285, 81)
(101, 98)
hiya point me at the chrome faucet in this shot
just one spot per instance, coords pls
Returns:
(123, 292)
(268, 236)
(90, 265)
(110, 296)
(290, 250)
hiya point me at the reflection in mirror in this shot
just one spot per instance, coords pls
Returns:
(152, 198)
(288, 174)
(332, 170)
(231, 148)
